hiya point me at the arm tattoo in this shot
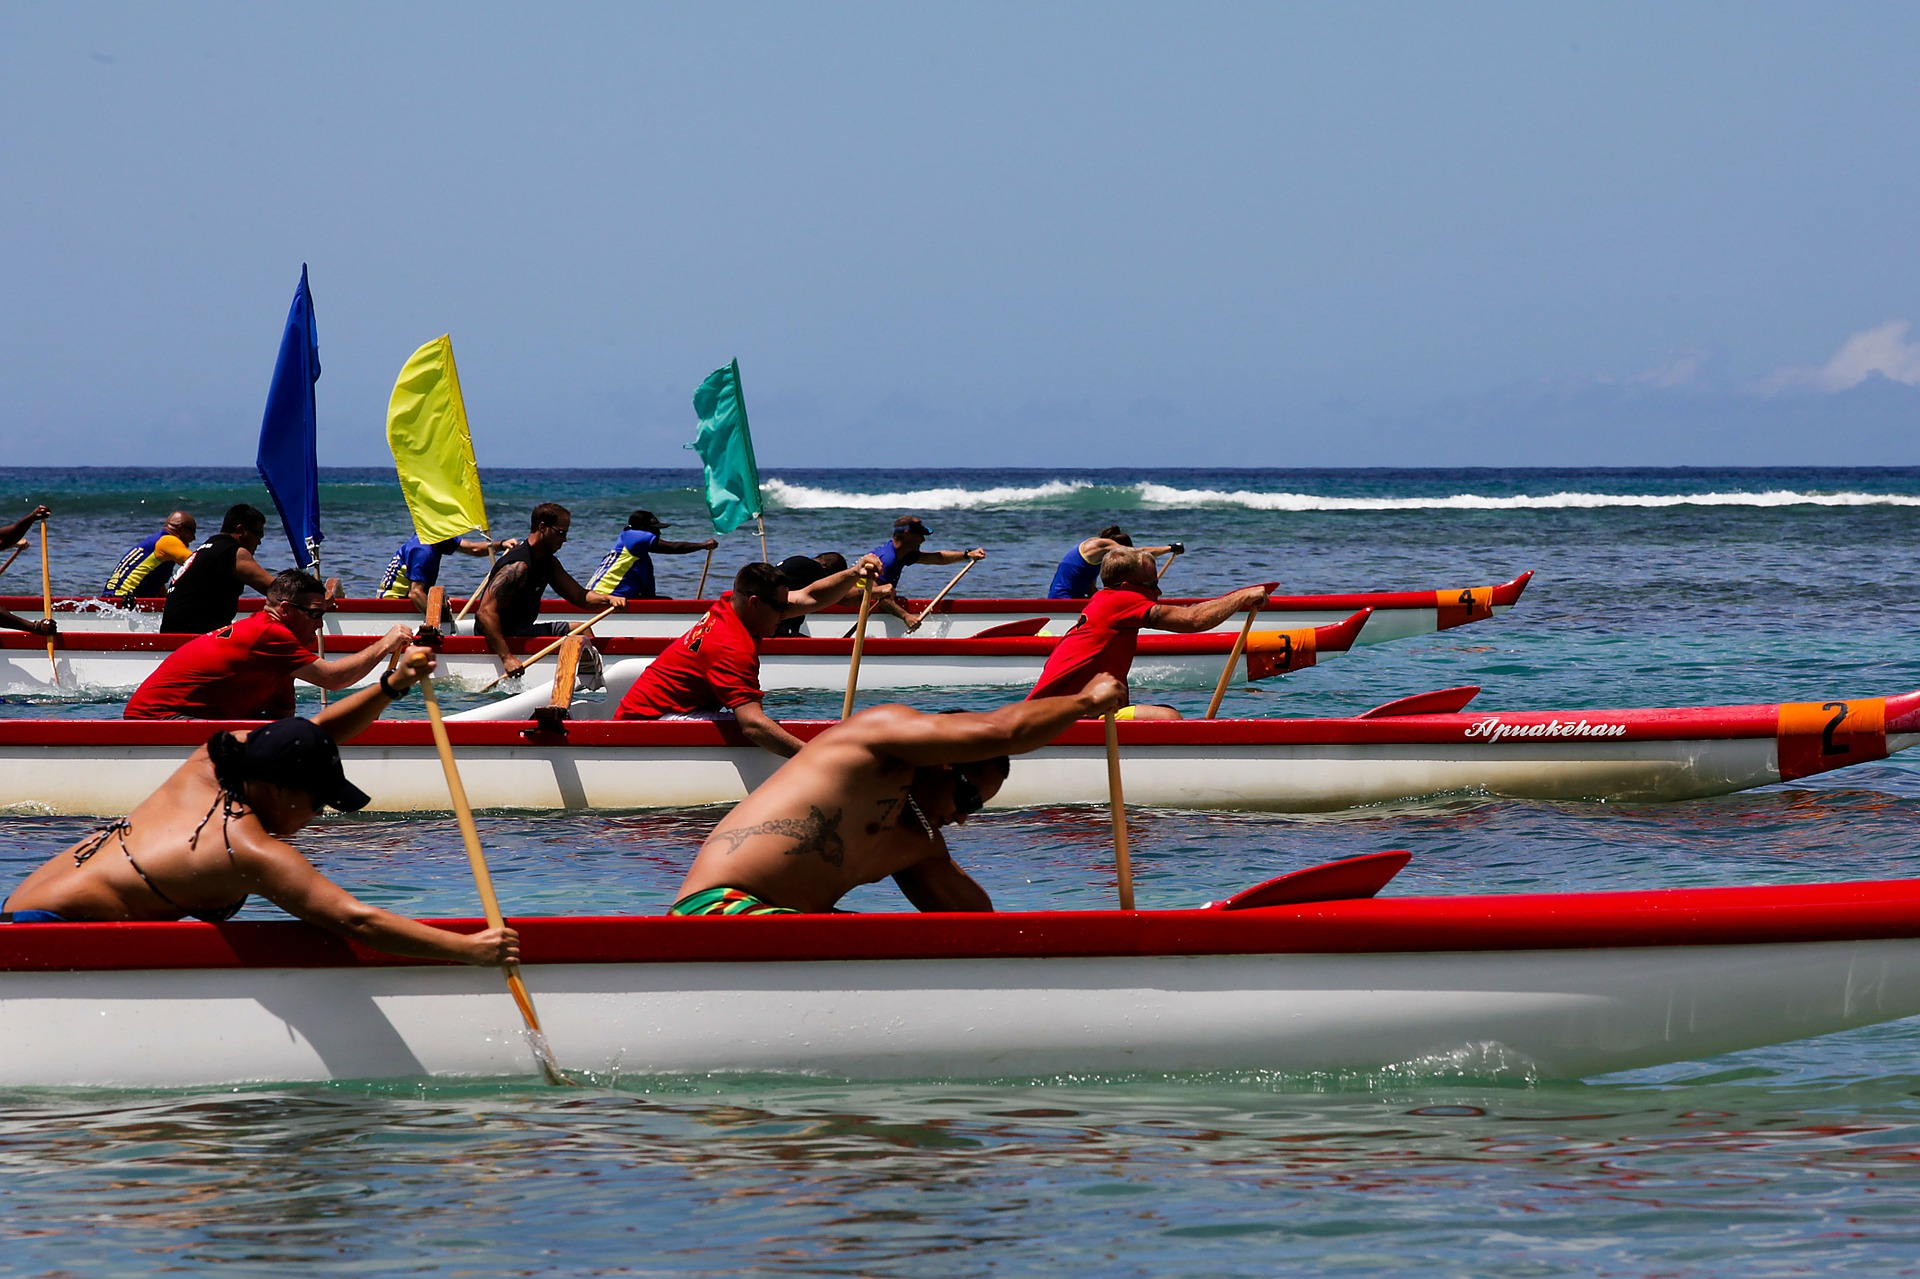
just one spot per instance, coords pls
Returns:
(817, 832)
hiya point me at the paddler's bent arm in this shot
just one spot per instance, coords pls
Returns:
(487, 614)
(567, 589)
(832, 589)
(764, 731)
(18, 529)
(345, 672)
(250, 572)
(938, 884)
(287, 880)
(920, 739)
(1190, 619)
(348, 717)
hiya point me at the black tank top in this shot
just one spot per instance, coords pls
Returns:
(204, 594)
(520, 607)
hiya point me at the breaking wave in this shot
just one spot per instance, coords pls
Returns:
(1148, 496)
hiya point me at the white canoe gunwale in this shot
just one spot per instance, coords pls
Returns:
(1397, 614)
(1541, 985)
(105, 767)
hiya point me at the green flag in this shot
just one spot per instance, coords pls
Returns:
(726, 447)
(427, 431)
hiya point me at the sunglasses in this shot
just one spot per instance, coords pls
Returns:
(967, 798)
(315, 611)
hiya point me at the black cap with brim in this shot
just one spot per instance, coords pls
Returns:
(645, 520)
(298, 754)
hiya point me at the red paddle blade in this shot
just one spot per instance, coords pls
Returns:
(1343, 880)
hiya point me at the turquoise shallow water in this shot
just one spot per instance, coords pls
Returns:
(1797, 1159)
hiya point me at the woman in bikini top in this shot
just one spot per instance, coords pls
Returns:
(215, 831)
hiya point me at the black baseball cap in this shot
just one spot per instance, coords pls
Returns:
(297, 753)
(911, 524)
(645, 520)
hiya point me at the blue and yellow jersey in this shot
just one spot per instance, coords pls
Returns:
(139, 574)
(414, 564)
(627, 571)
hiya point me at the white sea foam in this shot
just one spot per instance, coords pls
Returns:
(1159, 496)
(799, 497)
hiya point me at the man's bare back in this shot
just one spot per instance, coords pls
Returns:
(867, 799)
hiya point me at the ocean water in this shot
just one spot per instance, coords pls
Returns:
(1668, 587)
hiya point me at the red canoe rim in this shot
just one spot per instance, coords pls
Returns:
(1334, 639)
(1788, 914)
(1505, 595)
(1696, 723)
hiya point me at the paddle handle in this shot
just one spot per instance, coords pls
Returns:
(700, 592)
(859, 646)
(11, 558)
(578, 627)
(935, 602)
(1233, 660)
(493, 562)
(46, 600)
(1117, 801)
(1164, 567)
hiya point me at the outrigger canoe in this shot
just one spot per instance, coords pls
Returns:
(101, 662)
(1396, 614)
(1416, 748)
(1326, 979)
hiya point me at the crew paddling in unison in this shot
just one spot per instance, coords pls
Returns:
(415, 567)
(868, 799)
(215, 832)
(627, 571)
(15, 533)
(1103, 641)
(246, 670)
(1078, 575)
(145, 571)
(510, 603)
(713, 671)
(907, 546)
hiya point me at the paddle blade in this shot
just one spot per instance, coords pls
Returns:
(1344, 880)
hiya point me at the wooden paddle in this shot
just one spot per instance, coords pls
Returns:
(859, 646)
(1118, 803)
(11, 558)
(493, 562)
(1233, 660)
(934, 603)
(46, 600)
(436, 609)
(1164, 567)
(700, 593)
(578, 627)
(483, 880)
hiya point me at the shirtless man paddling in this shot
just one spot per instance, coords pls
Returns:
(867, 799)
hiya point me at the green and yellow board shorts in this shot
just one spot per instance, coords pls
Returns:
(726, 901)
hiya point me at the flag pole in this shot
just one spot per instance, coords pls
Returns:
(320, 636)
(763, 536)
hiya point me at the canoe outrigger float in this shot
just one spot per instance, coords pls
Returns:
(1308, 974)
(1415, 748)
(1396, 614)
(101, 662)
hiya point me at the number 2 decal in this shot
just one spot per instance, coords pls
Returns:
(1840, 711)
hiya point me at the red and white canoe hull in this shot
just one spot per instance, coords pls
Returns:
(1419, 985)
(1397, 614)
(1302, 765)
(97, 663)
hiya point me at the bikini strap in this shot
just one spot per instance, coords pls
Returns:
(96, 841)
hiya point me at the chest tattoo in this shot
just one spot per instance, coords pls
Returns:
(817, 832)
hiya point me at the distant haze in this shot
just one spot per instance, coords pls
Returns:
(949, 235)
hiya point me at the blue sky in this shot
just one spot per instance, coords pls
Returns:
(975, 234)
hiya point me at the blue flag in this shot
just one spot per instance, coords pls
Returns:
(289, 459)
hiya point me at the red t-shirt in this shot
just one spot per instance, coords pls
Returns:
(714, 666)
(242, 671)
(1104, 639)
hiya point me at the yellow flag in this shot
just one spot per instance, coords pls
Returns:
(427, 431)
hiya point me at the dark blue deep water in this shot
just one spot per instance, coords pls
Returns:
(1653, 587)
